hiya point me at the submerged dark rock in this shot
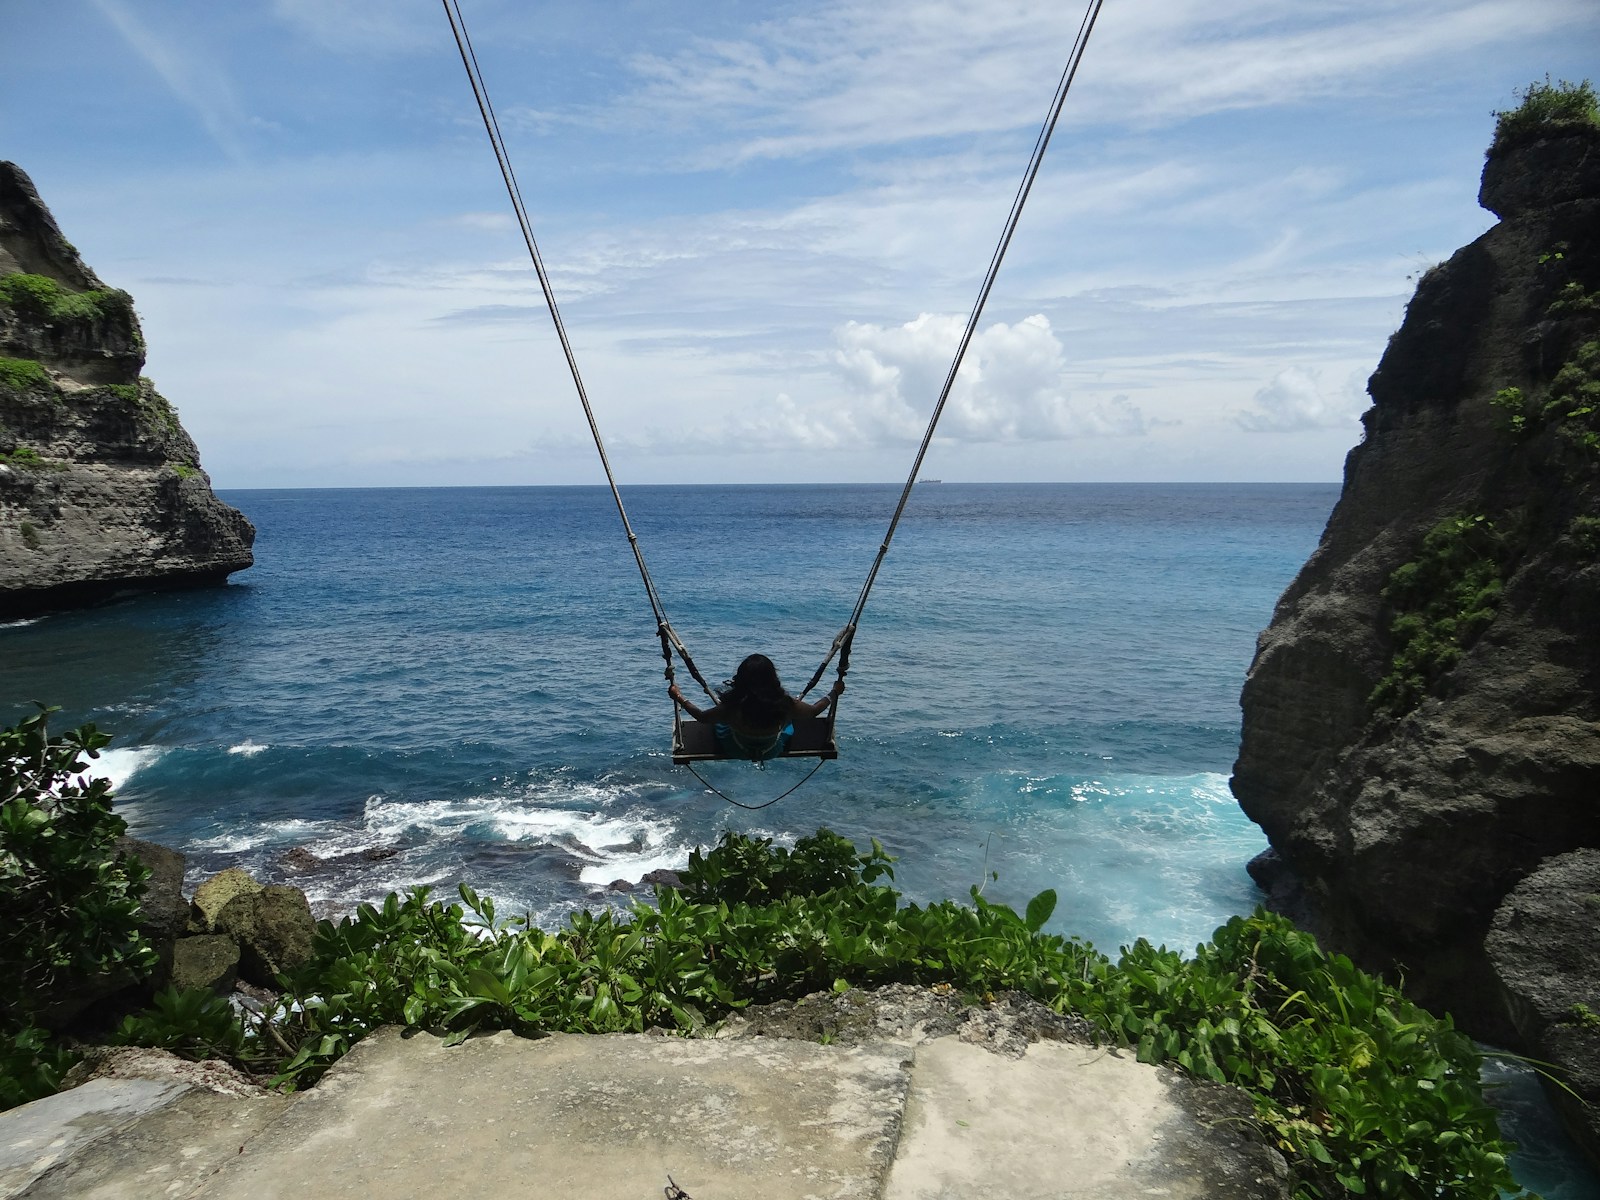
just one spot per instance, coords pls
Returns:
(1405, 795)
(101, 490)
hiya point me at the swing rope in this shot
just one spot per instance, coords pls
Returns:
(707, 784)
(843, 641)
(846, 636)
(469, 59)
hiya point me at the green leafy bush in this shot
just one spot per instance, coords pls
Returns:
(1582, 539)
(1365, 1093)
(194, 1022)
(1546, 108)
(31, 1062)
(71, 899)
(1442, 600)
(22, 374)
(1516, 408)
(1574, 399)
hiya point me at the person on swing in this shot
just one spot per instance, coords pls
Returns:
(754, 716)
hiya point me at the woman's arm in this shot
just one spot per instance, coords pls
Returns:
(699, 714)
(803, 708)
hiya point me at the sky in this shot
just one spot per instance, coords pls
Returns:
(766, 223)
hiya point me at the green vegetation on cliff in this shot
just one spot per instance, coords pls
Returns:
(23, 374)
(40, 298)
(1442, 600)
(1546, 108)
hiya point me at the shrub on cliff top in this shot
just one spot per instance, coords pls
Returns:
(1364, 1092)
(1546, 108)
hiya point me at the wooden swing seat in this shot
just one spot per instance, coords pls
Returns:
(696, 741)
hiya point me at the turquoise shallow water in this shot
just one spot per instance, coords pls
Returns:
(1044, 691)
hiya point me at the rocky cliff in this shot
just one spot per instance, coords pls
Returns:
(101, 489)
(1422, 719)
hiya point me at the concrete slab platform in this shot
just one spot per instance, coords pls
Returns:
(41, 1136)
(1072, 1120)
(590, 1118)
(166, 1153)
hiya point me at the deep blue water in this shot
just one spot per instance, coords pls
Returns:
(1044, 689)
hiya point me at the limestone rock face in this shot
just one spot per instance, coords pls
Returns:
(1405, 824)
(101, 489)
(1544, 946)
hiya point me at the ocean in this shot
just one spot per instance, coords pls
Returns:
(426, 686)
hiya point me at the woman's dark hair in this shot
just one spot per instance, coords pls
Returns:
(757, 695)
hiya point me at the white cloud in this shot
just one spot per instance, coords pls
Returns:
(1295, 400)
(1012, 387)
(194, 79)
(361, 27)
(846, 75)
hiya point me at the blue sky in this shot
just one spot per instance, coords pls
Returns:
(765, 224)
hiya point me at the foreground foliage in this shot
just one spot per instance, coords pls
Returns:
(1365, 1093)
(71, 901)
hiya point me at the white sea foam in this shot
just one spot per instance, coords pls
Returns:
(599, 824)
(119, 766)
(634, 867)
(248, 749)
(19, 623)
(242, 841)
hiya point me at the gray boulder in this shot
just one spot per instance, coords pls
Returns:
(205, 960)
(216, 893)
(273, 927)
(1544, 946)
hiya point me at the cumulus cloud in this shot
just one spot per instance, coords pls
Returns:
(886, 380)
(1295, 400)
(1012, 385)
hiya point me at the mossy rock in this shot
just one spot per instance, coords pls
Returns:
(273, 927)
(205, 960)
(216, 893)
